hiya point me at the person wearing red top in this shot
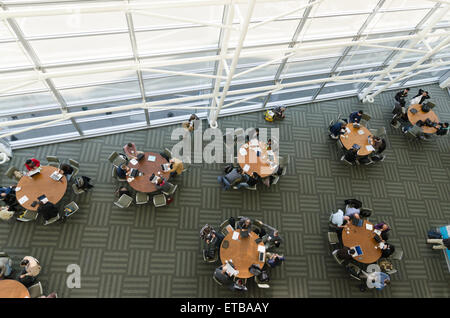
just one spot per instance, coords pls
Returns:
(32, 164)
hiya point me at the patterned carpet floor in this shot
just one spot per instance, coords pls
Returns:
(146, 252)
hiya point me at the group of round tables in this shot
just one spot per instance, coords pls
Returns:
(359, 135)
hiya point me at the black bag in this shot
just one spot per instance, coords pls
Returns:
(354, 203)
(434, 235)
(228, 168)
(264, 277)
(426, 108)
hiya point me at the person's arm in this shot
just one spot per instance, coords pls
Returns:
(36, 162)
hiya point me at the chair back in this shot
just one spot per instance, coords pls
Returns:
(336, 258)
(28, 216)
(124, 201)
(77, 190)
(36, 290)
(366, 117)
(159, 200)
(74, 163)
(168, 153)
(71, 208)
(52, 220)
(53, 161)
(141, 198)
(381, 132)
(283, 161)
(10, 173)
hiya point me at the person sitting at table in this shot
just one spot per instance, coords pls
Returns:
(6, 267)
(387, 250)
(279, 112)
(249, 181)
(121, 191)
(10, 200)
(122, 171)
(223, 277)
(351, 155)
(420, 97)
(353, 208)
(244, 224)
(384, 228)
(346, 253)
(163, 185)
(130, 150)
(32, 164)
(176, 167)
(82, 183)
(337, 129)
(272, 240)
(355, 117)
(31, 269)
(442, 129)
(66, 170)
(441, 244)
(339, 220)
(8, 190)
(274, 260)
(378, 280)
(231, 178)
(48, 210)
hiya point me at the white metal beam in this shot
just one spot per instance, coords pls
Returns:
(420, 36)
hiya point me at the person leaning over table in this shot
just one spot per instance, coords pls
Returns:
(351, 155)
(66, 170)
(356, 117)
(346, 253)
(122, 171)
(31, 269)
(32, 164)
(176, 167)
(131, 151)
(387, 250)
(162, 184)
(244, 224)
(337, 129)
(272, 240)
(384, 228)
(233, 177)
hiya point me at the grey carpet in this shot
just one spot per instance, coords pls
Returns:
(148, 252)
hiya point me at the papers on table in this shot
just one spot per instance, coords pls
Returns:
(23, 199)
(377, 232)
(261, 248)
(231, 271)
(246, 168)
(235, 236)
(44, 200)
(151, 158)
(56, 176)
(133, 162)
(166, 167)
(347, 130)
(370, 148)
(369, 226)
(243, 152)
(381, 245)
(361, 132)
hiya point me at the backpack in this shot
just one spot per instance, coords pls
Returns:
(79, 182)
(268, 115)
(228, 168)
(434, 235)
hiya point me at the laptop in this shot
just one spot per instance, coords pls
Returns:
(358, 250)
(134, 173)
(140, 156)
(34, 172)
(244, 234)
(165, 167)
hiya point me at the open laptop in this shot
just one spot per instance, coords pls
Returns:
(244, 234)
(56, 176)
(34, 172)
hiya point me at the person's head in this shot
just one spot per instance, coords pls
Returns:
(377, 138)
(3, 195)
(257, 130)
(445, 125)
(130, 144)
(172, 160)
(275, 233)
(360, 112)
(29, 162)
(352, 251)
(65, 167)
(407, 90)
(159, 180)
(247, 222)
(425, 93)
(239, 170)
(283, 108)
(124, 167)
(269, 142)
(385, 227)
(24, 262)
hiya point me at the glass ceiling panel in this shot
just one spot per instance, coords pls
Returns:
(396, 20)
(343, 6)
(83, 48)
(4, 31)
(348, 25)
(72, 23)
(12, 56)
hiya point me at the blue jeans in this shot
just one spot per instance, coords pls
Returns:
(224, 182)
(243, 184)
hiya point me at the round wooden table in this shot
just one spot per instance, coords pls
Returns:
(143, 183)
(243, 253)
(10, 288)
(359, 235)
(247, 155)
(354, 137)
(39, 184)
(420, 115)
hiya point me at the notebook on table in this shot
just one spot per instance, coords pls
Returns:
(151, 158)
(165, 167)
(56, 176)
(34, 172)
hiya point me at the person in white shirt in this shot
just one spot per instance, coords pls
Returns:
(352, 212)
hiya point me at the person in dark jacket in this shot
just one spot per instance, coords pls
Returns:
(400, 97)
(337, 129)
(384, 228)
(387, 250)
(273, 240)
(356, 117)
(163, 185)
(346, 253)
(10, 200)
(244, 224)
(351, 155)
(47, 210)
(442, 130)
